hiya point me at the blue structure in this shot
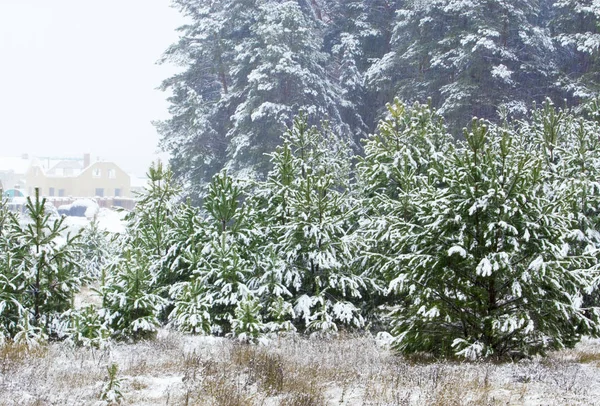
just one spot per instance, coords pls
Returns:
(12, 193)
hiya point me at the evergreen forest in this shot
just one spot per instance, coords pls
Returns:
(424, 168)
(485, 247)
(248, 67)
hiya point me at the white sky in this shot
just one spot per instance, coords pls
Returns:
(80, 76)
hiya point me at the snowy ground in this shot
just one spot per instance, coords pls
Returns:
(108, 220)
(176, 369)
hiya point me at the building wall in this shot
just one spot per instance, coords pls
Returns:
(103, 179)
(11, 180)
(106, 176)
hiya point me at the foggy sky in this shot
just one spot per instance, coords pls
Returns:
(79, 76)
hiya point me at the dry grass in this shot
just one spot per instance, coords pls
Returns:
(13, 356)
(349, 370)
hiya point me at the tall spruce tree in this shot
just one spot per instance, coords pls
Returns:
(357, 33)
(283, 73)
(250, 65)
(576, 29)
(469, 57)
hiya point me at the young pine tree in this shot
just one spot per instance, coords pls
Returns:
(11, 290)
(399, 160)
(138, 279)
(571, 147)
(40, 274)
(309, 220)
(484, 262)
(220, 263)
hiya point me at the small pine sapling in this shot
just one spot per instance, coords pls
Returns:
(131, 306)
(96, 250)
(111, 391)
(247, 324)
(86, 327)
(191, 307)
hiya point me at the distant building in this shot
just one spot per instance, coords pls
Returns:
(78, 178)
(12, 193)
(13, 171)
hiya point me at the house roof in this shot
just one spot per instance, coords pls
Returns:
(74, 165)
(69, 164)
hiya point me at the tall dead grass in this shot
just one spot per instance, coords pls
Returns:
(291, 371)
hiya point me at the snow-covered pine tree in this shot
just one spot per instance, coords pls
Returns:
(131, 304)
(40, 272)
(11, 309)
(247, 325)
(347, 53)
(149, 224)
(362, 30)
(190, 300)
(281, 72)
(272, 277)
(204, 95)
(399, 159)
(371, 22)
(305, 200)
(571, 146)
(138, 279)
(96, 250)
(185, 239)
(469, 57)
(408, 142)
(484, 262)
(577, 33)
(219, 281)
(250, 66)
(85, 327)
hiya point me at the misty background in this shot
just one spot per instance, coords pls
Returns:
(79, 76)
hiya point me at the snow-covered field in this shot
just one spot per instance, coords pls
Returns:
(176, 369)
(108, 220)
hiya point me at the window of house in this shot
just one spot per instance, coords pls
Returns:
(117, 192)
(61, 193)
(100, 192)
(51, 192)
(97, 172)
(112, 174)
